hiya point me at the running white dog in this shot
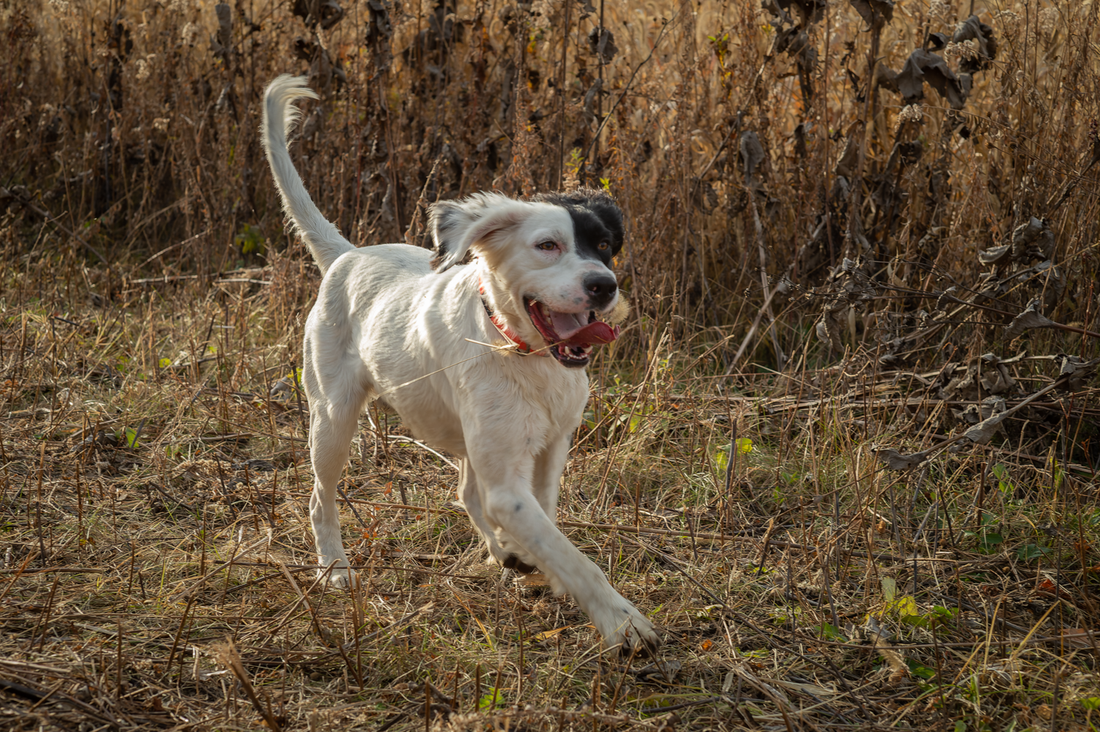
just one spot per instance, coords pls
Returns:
(447, 347)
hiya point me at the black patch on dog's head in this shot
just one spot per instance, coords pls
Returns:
(596, 219)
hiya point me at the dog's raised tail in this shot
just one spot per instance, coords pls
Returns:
(280, 115)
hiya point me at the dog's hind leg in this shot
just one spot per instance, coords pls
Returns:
(549, 466)
(331, 429)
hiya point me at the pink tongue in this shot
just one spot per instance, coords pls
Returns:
(595, 333)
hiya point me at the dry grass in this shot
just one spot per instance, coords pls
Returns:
(818, 282)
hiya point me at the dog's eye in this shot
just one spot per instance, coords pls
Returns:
(547, 246)
(603, 246)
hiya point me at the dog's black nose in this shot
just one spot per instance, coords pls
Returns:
(601, 288)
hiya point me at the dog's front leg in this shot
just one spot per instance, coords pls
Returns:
(508, 502)
(471, 500)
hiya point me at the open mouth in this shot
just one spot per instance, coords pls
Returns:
(571, 335)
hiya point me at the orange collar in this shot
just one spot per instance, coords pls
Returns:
(510, 335)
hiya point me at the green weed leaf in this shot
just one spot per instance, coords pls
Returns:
(494, 699)
(1032, 552)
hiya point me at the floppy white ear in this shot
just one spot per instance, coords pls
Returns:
(458, 226)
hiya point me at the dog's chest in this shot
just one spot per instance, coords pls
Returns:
(538, 399)
(514, 403)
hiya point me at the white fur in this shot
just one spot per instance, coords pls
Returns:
(386, 325)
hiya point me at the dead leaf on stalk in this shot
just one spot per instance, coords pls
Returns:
(601, 43)
(989, 406)
(704, 197)
(922, 66)
(809, 11)
(994, 255)
(1033, 240)
(1074, 372)
(959, 382)
(973, 29)
(326, 12)
(874, 12)
(380, 25)
(897, 461)
(752, 154)
(1029, 318)
(983, 432)
(886, 78)
(849, 161)
(995, 376)
(224, 39)
(588, 107)
(937, 41)
(828, 332)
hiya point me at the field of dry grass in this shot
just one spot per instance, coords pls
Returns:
(844, 454)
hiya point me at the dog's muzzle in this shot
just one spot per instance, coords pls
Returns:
(571, 335)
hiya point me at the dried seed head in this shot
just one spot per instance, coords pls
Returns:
(541, 13)
(1009, 23)
(941, 11)
(911, 113)
(1048, 22)
(189, 33)
(1035, 99)
(955, 53)
(145, 67)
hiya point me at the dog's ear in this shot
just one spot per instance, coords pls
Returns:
(459, 226)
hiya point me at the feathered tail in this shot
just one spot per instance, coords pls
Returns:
(323, 238)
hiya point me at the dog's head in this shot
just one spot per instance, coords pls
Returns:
(546, 263)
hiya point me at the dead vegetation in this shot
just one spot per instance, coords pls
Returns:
(845, 453)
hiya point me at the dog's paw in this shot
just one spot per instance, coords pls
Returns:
(338, 575)
(627, 632)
